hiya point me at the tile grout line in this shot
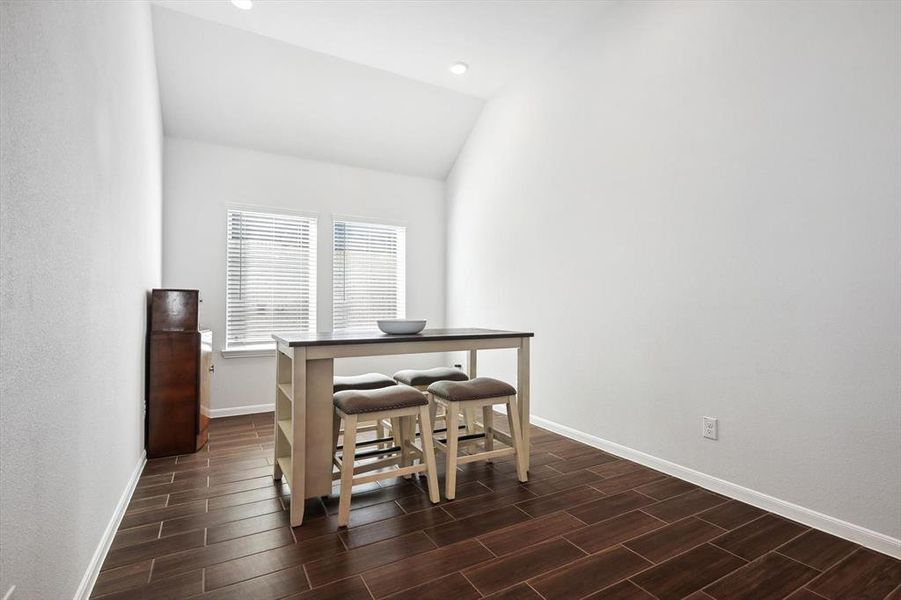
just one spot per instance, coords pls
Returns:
(365, 585)
(844, 558)
(788, 541)
(562, 509)
(479, 542)
(739, 526)
(751, 562)
(463, 575)
(675, 556)
(306, 575)
(732, 553)
(529, 585)
(623, 542)
(819, 571)
(730, 573)
(629, 579)
(213, 512)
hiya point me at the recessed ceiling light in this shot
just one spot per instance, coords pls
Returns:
(459, 68)
(243, 4)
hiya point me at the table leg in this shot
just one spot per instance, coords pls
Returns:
(282, 412)
(320, 381)
(297, 478)
(522, 388)
(312, 416)
(470, 413)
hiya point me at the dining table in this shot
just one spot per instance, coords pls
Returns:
(303, 451)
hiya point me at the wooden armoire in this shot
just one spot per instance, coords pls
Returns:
(179, 366)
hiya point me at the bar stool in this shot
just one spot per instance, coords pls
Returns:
(421, 379)
(367, 381)
(397, 402)
(479, 392)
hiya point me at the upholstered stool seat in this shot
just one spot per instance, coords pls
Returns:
(481, 392)
(401, 404)
(367, 381)
(358, 402)
(474, 389)
(422, 378)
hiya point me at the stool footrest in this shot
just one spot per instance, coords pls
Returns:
(369, 443)
(399, 472)
(464, 438)
(503, 437)
(376, 452)
(462, 460)
(444, 429)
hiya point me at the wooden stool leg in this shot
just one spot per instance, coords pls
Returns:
(428, 451)
(439, 415)
(406, 433)
(487, 416)
(516, 434)
(380, 431)
(347, 469)
(469, 417)
(433, 411)
(452, 417)
(336, 431)
(396, 430)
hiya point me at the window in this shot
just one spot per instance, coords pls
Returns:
(369, 281)
(271, 273)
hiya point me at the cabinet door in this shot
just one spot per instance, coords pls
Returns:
(206, 372)
(174, 310)
(172, 393)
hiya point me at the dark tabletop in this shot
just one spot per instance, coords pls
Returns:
(377, 337)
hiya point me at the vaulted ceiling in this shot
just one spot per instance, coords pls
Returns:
(418, 39)
(358, 83)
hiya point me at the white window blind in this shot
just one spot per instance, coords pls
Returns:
(271, 273)
(369, 274)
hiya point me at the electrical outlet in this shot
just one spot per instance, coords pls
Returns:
(709, 428)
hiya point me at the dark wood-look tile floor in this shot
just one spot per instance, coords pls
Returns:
(213, 525)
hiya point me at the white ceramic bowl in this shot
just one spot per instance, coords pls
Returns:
(401, 326)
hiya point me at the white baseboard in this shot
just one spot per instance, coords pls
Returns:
(250, 409)
(90, 577)
(860, 535)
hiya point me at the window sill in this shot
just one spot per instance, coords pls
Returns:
(248, 351)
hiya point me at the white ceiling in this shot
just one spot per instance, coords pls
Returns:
(232, 87)
(416, 38)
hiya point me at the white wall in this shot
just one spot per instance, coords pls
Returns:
(201, 180)
(695, 206)
(80, 242)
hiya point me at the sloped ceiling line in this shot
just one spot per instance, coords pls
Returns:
(228, 86)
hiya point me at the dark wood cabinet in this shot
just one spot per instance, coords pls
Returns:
(179, 365)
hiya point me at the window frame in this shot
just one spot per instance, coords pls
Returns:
(369, 221)
(249, 349)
